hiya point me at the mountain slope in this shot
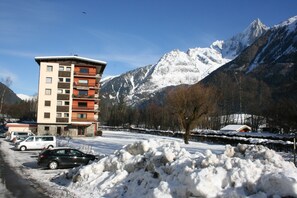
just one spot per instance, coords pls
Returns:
(272, 58)
(9, 96)
(177, 67)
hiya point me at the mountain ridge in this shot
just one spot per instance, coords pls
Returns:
(177, 67)
(272, 59)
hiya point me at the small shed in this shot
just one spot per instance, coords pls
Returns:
(237, 127)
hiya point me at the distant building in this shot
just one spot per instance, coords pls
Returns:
(236, 127)
(68, 95)
(20, 127)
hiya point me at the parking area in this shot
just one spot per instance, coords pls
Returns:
(25, 164)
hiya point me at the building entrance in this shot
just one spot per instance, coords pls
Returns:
(81, 130)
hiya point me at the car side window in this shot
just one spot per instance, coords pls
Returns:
(74, 152)
(30, 139)
(60, 152)
(38, 138)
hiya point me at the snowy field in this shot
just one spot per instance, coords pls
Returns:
(154, 166)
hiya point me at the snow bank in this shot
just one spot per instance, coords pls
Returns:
(156, 168)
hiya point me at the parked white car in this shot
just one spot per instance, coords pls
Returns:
(16, 134)
(36, 142)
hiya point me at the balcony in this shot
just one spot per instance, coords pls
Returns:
(63, 97)
(86, 85)
(62, 120)
(64, 74)
(90, 109)
(63, 85)
(62, 108)
(89, 75)
(75, 119)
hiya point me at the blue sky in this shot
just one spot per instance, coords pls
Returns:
(127, 34)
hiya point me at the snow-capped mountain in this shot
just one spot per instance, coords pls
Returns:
(177, 67)
(271, 58)
(26, 97)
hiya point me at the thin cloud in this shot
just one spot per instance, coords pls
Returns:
(116, 47)
(16, 53)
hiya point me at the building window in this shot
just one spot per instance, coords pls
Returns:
(61, 68)
(83, 81)
(60, 91)
(82, 92)
(48, 80)
(67, 80)
(59, 103)
(47, 103)
(66, 129)
(82, 104)
(59, 115)
(49, 68)
(46, 128)
(48, 91)
(81, 115)
(66, 103)
(47, 115)
(66, 115)
(60, 79)
(68, 68)
(84, 70)
(67, 91)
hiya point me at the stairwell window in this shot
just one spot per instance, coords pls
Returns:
(48, 91)
(48, 80)
(49, 68)
(47, 115)
(47, 103)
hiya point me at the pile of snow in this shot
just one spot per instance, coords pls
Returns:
(158, 168)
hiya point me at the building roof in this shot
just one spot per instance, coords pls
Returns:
(39, 59)
(236, 127)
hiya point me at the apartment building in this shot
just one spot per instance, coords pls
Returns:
(68, 95)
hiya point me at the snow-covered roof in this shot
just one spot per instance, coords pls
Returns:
(38, 59)
(235, 127)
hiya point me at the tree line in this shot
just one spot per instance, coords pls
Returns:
(22, 109)
(184, 108)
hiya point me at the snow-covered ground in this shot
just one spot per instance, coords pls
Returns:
(154, 166)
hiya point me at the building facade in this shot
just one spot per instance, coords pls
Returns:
(68, 95)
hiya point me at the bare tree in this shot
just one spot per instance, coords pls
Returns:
(190, 104)
(7, 82)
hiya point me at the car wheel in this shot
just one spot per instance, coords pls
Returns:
(50, 147)
(23, 148)
(53, 165)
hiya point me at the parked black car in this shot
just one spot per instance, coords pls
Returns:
(63, 157)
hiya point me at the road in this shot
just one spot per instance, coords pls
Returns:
(12, 185)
